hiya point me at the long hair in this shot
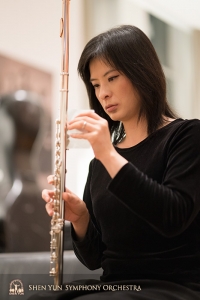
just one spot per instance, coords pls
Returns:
(129, 50)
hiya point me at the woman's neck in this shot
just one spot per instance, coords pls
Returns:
(136, 131)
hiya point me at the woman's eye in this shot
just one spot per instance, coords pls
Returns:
(112, 78)
(95, 86)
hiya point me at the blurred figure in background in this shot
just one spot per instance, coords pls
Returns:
(25, 229)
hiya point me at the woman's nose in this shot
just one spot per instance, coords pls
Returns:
(104, 92)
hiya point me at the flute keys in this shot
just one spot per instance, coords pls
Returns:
(56, 192)
(57, 152)
(56, 215)
(53, 256)
(58, 143)
(56, 180)
(53, 243)
(56, 204)
(57, 228)
(52, 272)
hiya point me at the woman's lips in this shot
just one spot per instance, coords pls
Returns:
(111, 108)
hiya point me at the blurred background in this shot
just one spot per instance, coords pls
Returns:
(30, 51)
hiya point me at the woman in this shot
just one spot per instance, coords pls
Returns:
(139, 220)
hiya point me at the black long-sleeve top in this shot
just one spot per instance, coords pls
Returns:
(145, 222)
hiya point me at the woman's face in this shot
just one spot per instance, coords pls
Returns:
(115, 92)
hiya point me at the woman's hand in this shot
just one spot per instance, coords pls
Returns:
(95, 129)
(76, 211)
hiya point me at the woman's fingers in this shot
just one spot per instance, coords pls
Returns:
(82, 125)
(81, 128)
(47, 195)
(95, 129)
(80, 121)
(84, 119)
(88, 113)
(50, 179)
(87, 125)
(75, 207)
(49, 209)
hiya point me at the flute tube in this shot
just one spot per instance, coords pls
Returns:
(57, 221)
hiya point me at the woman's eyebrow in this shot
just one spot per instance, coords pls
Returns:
(92, 79)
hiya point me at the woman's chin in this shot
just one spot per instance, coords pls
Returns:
(114, 117)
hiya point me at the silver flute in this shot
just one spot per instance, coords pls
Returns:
(57, 221)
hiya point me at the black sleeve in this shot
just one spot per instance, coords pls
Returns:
(89, 250)
(171, 206)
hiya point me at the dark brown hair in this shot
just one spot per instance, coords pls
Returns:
(129, 50)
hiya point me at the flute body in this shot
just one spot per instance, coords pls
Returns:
(57, 221)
